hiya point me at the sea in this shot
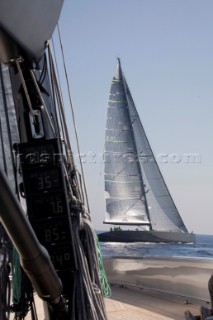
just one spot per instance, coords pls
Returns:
(203, 248)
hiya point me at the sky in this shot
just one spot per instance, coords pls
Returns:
(166, 52)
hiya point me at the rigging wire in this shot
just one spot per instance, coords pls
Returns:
(17, 61)
(64, 125)
(42, 101)
(56, 100)
(88, 285)
(58, 84)
(73, 116)
(56, 64)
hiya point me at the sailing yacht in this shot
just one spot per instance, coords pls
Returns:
(136, 193)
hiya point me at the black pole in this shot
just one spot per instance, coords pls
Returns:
(33, 256)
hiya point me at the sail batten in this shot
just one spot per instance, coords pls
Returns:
(136, 191)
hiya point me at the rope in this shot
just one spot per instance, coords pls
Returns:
(16, 274)
(4, 275)
(104, 282)
(4, 287)
(88, 295)
(43, 72)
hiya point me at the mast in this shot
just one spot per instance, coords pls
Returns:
(34, 258)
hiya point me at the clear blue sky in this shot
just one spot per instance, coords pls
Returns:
(166, 51)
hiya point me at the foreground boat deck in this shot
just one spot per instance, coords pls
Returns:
(131, 303)
(127, 303)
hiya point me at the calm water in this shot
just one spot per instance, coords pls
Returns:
(203, 248)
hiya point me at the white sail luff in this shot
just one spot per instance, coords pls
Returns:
(123, 182)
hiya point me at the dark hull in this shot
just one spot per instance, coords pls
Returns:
(146, 236)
